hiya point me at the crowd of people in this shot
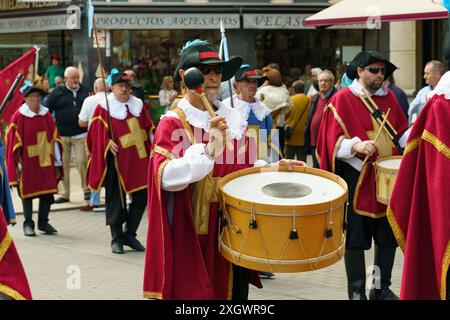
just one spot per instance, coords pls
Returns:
(173, 168)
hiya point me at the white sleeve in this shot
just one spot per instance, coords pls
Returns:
(404, 138)
(84, 116)
(58, 161)
(163, 99)
(192, 167)
(345, 148)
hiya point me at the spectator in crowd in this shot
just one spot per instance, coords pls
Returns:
(295, 123)
(318, 103)
(167, 94)
(399, 94)
(84, 118)
(432, 73)
(66, 101)
(54, 70)
(275, 96)
(314, 76)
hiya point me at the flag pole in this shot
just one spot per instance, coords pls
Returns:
(100, 61)
(224, 55)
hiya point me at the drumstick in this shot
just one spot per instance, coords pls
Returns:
(378, 134)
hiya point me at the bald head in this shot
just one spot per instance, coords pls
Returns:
(99, 85)
(72, 78)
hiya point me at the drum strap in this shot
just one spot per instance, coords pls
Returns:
(378, 116)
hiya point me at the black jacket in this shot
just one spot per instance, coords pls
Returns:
(311, 111)
(67, 108)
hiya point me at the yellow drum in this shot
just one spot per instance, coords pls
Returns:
(386, 170)
(282, 221)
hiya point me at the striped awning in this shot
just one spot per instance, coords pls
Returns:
(368, 11)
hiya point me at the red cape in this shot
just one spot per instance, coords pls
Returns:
(179, 263)
(131, 162)
(345, 116)
(419, 210)
(38, 174)
(13, 280)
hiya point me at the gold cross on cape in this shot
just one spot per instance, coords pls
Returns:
(137, 137)
(43, 149)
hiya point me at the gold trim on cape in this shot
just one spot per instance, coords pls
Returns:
(11, 292)
(5, 244)
(398, 233)
(445, 267)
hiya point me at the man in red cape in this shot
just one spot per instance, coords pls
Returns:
(346, 137)
(188, 158)
(419, 210)
(13, 280)
(122, 156)
(33, 158)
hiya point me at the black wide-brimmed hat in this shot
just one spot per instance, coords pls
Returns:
(365, 58)
(247, 72)
(198, 52)
(123, 77)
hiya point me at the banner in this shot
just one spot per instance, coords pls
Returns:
(23, 65)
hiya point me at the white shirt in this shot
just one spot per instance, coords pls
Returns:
(259, 109)
(89, 104)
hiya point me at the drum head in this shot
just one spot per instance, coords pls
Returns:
(283, 188)
(389, 163)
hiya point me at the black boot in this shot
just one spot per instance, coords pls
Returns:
(44, 209)
(28, 225)
(117, 239)
(355, 267)
(384, 259)
(134, 219)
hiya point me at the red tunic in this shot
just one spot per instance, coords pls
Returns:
(179, 262)
(419, 211)
(30, 142)
(132, 135)
(13, 280)
(346, 117)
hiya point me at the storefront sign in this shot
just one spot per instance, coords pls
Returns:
(274, 21)
(40, 23)
(6, 5)
(166, 21)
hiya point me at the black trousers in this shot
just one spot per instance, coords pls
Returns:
(241, 278)
(290, 152)
(115, 214)
(45, 202)
(362, 229)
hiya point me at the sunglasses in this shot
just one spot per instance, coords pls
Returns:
(376, 70)
(206, 69)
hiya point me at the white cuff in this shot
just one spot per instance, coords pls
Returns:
(58, 162)
(192, 167)
(345, 148)
(404, 138)
(259, 163)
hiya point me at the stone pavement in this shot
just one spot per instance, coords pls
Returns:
(77, 263)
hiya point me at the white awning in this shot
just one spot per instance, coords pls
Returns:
(365, 11)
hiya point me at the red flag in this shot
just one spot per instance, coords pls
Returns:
(7, 77)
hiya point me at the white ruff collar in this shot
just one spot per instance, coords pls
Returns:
(357, 89)
(26, 111)
(200, 119)
(118, 110)
(259, 109)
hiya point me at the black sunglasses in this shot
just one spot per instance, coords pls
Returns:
(376, 70)
(206, 69)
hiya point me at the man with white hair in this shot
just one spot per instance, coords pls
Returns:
(66, 101)
(84, 118)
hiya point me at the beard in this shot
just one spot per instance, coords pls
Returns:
(212, 94)
(374, 85)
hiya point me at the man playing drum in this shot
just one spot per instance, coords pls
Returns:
(347, 134)
(188, 158)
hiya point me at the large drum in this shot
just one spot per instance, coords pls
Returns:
(386, 170)
(277, 220)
